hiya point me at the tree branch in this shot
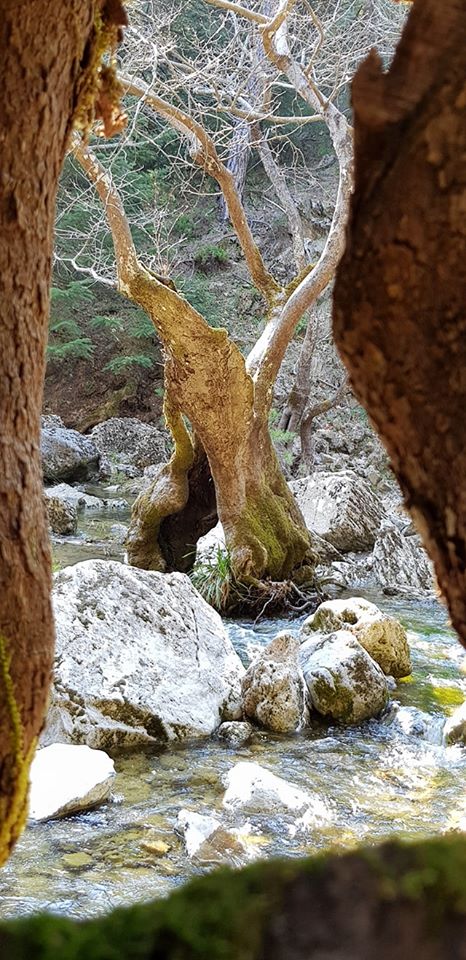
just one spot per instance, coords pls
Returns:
(205, 155)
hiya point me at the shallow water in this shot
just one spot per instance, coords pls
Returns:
(369, 783)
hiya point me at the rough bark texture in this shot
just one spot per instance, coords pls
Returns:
(264, 529)
(43, 49)
(376, 904)
(400, 319)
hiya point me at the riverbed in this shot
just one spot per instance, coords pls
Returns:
(387, 777)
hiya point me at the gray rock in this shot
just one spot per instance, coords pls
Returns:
(72, 497)
(140, 657)
(119, 532)
(62, 517)
(383, 637)
(254, 789)
(67, 779)
(235, 732)
(273, 688)
(79, 500)
(129, 443)
(344, 682)
(66, 454)
(208, 841)
(341, 508)
(400, 561)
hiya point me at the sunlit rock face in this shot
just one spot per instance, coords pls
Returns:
(273, 689)
(140, 657)
(344, 682)
(383, 637)
(68, 779)
(341, 508)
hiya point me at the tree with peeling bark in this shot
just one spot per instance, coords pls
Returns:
(52, 78)
(217, 402)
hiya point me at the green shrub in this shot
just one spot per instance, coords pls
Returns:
(118, 364)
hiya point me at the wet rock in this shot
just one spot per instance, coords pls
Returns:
(410, 720)
(454, 730)
(273, 688)
(344, 682)
(66, 454)
(128, 442)
(235, 732)
(140, 657)
(156, 845)
(72, 497)
(400, 561)
(252, 788)
(118, 532)
(381, 635)
(341, 508)
(68, 779)
(207, 840)
(62, 517)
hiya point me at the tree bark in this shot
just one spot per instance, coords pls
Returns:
(44, 51)
(399, 316)
(207, 382)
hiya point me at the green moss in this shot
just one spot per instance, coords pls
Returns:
(224, 916)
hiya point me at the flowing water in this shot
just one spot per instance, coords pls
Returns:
(386, 777)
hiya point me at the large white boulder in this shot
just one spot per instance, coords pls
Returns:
(126, 440)
(67, 779)
(401, 561)
(140, 657)
(382, 636)
(273, 689)
(66, 454)
(344, 682)
(341, 508)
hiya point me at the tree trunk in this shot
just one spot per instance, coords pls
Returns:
(399, 319)
(207, 383)
(43, 49)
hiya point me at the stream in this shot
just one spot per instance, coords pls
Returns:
(386, 777)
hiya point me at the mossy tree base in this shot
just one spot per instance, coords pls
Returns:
(398, 900)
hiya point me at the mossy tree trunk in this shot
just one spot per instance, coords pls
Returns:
(208, 384)
(400, 316)
(46, 53)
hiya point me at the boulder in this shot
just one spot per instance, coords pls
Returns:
(140, 657)
(126, 441)
(66, 454)
(454, 730)
(381, 635)
(273, 688)
(254, 789)
(341, 508)
(67, 779)
(400, 561)
(79, 500)
(62, 517)
(344, 682)
(208, 841)
(235, 732)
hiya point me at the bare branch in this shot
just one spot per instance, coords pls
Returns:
(205, 154)
(239, 10)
